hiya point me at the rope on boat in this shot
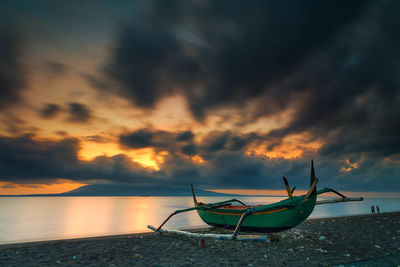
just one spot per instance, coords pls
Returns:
(211, 236)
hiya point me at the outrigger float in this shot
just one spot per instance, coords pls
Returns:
(271, 218)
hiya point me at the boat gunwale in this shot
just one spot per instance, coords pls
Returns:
(284, 204)
(225, 211)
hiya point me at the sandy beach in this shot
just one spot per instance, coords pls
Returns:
(368, 240)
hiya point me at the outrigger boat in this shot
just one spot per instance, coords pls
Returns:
(269, 218)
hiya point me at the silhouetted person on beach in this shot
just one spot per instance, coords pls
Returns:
(377, 209)
(372, 209)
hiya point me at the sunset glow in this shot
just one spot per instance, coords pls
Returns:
(290, 148)
(7, 188)
(349, 166)
(145, 157)
(137, 95)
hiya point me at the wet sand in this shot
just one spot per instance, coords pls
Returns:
(368, 240)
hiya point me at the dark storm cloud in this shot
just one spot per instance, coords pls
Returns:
(154, 138)
(226, 164)
(352, 95)
(216, 141)
(211, 147)
(238, 170)
(50, 111)
(57, 68)
(14, 124)
(227, 141)
(143, 138)
(61, 133)
(176, 142)
(99, 139)
(12, 73)
(24, 160)
(220, 53)
(238, 143)
(96, 82)
(335, 64)
(339, 73)
(79, 112)
(185, 136)
(189, 149)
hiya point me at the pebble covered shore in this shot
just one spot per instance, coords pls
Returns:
(343, 241)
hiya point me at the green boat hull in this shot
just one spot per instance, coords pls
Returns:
(270, 218)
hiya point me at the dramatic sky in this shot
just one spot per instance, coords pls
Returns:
(221, 94)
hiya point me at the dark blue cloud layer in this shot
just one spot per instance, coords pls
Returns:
(50, 111)
(24, 159)
(12, 73)
(222, 53)
(27, 160)
(338, 72)
(79, 112)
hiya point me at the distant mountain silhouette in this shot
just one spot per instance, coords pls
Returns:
(131, 190)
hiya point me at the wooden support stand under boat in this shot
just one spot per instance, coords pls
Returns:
(269, 218)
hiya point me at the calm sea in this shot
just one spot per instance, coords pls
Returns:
(24, 219)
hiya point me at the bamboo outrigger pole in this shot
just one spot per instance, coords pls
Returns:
(211, 236)
(338, 200)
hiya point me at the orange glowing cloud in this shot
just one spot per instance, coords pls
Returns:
(290, 148)
(350, 166)
(198, 160)
(146, 157)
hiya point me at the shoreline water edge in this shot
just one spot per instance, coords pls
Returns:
(316, 242)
